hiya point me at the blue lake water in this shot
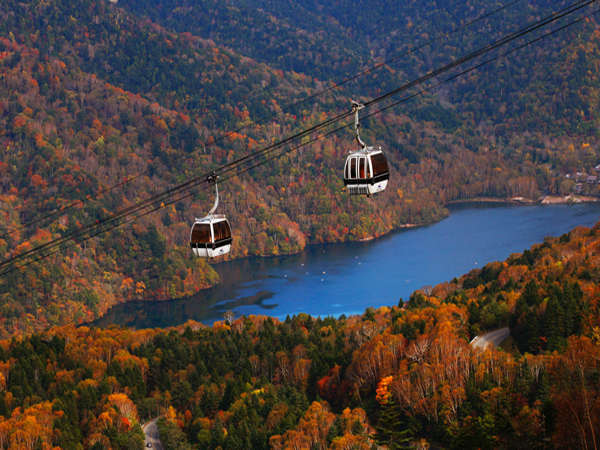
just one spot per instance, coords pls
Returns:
(340, 279)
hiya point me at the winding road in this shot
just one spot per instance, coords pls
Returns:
(494, 338)
(151, 435)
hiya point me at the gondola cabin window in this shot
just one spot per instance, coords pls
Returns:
(201, 234)
(358, 167)
(380, 165)
(222, 231)
(362, 172)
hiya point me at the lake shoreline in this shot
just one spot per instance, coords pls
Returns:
(517, 201)
(344, 274)
(567, 199)
(492, 201)
(570, 199)
(483, 201)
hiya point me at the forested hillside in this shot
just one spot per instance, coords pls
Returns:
(549, 89)
(396, 376)
(95, 94)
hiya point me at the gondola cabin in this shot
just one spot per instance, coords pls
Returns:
(366, 172)
(211, 236)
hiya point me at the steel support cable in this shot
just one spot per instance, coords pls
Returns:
(379, 65)
(57, 246)
(198, 180)
(416, 94)
(59, 211)
(485, 49)
(430, 75)
(284, 151)
(97, 226)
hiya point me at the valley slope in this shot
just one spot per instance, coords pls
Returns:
(93, 93)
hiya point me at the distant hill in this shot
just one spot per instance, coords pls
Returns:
(330, 40)
(93, 93)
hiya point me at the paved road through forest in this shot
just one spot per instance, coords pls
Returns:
(151, 435)
(494, 338)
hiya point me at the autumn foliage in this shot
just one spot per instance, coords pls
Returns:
(93, 96)
(396, 376)
(85, 107)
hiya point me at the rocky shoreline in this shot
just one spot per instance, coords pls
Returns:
(543, 200)
(568, 199)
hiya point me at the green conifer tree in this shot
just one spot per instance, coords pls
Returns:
(393, 429)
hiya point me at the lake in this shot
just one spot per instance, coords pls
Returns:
(336, 279)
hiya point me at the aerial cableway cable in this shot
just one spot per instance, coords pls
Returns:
(228, 167)
(60, 211)
(180, 192)
(284, 151)
(379, 65)
(358, 75)
(487, 48)
(420, 80)
(411, 96)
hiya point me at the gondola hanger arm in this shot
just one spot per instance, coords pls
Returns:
(212, 178)
(356, 106)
